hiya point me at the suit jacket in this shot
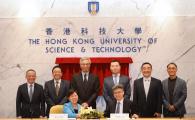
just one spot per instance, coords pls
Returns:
(147, 107)
(109, 83)
(111, 107)
(89, 92)
(68, 109)
(50, 94)
(30, 109)
(179, 96)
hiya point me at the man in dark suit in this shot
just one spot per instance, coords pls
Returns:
(115, 79)
(86, 84)
(147, 94)
(119, 104)
(175, 93)
(56, 90)
(30, 101)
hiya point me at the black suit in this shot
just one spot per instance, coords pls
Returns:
(50, 94)
(111, 107)
(30, 109)
(147, 107)
(89, 92)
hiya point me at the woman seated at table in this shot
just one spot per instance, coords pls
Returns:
(72, 108)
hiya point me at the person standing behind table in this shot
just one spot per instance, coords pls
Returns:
(175, 93)
(56, 89)
(115, 79)
(30, 101)
(147, 94)
(86, 84)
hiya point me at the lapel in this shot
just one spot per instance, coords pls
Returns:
(80, 79)
(176, 86)
(150, 87)
(26, 92)
(111, 81)
(142, 90)
(53, 87)
(71, 107)
(61, 87)
(120, 79)
(166, 89)
(114, 107)
(34, 92)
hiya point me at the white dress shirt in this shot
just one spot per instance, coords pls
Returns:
(29, 88)
(59, 82)
(116, 78)
(87, 75)
(146, 85)
(121, 106)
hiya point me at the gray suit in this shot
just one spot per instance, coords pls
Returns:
(179, 97)
(109, 83)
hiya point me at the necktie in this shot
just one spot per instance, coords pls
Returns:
(115, 80)
(85, 79)
(57, 88)
(118, 108)
(31, 92)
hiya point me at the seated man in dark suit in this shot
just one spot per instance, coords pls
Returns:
(56, 89)
(86, 84)
(115, 79)
(30, 101)
(119, 104)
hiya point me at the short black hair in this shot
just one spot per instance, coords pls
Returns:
(30, 70)
(57, 66)
(70, 92)
(115, 61)
(146, 63)
(172, 63)
(118, 86)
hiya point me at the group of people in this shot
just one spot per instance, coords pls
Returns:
(150, 95)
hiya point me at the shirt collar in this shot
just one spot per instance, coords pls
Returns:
(147, 79)
(59, 81)
(30, 84)
(121, 101)
(116, 75)
(83, 73)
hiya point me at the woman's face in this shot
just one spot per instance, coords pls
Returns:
(73, 98)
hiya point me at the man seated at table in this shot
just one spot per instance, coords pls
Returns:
(119, 104)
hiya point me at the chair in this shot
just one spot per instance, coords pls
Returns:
(57, 109)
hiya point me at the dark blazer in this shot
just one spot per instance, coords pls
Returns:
(111, 107)
(147, 107)
(50, 94)
(109, 83)
(179, 96)
(30, 109)
(90, 92)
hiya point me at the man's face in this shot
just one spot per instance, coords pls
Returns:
(57, 73)
(146, 70)
(172, 70)
(118, 94)
(31, 76)
(115, 67)
(85, 65)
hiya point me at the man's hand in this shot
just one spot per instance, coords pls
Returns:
(19, 117)
(135, 116)
(157, 114)
(85, 105)
(171, 108)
